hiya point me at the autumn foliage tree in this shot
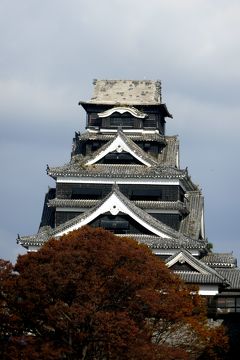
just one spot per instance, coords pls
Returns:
(92, 295)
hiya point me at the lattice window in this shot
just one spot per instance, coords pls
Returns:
(227, 305)
(121, 121)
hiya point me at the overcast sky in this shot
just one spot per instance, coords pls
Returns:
(51, 50)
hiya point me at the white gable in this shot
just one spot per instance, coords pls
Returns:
(182, 258)
(114, 205)
(118, 145)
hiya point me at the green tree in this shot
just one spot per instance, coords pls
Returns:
(92, 295)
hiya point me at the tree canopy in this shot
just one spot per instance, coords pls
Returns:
(93, 295)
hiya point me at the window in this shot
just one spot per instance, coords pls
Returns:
(121, 121)
(227, 305)
(95, 122)
(86, 193)
(150, 123)
(114, 224)
(237, 304)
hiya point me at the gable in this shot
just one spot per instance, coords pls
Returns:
(119, 224)
(119, 145)
(114, 204)
(186, 262)
(119, 158)
(183, 266)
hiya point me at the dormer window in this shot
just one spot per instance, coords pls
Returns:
(122, 116)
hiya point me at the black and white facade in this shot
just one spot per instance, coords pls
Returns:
(124, 175)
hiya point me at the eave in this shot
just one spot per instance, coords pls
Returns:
(155, 137)
(90, 105)
(120, 171)
(143, 204)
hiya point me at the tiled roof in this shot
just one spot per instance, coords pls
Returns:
(220, 260)
(140, 153)
(193, 277)
(72, 203)
(135, 136)
(143, 204)
(126, 92)
(141, 214)
(164, 205)
(44, 234)
(191, 225)
(153, 242)
(77, 168)
(136, 210)
(203, 272)
(232, 276)
(169, 153)
(156, 242)
(165, 166)
(194, 261)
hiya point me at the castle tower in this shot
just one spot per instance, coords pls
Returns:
(124, 175)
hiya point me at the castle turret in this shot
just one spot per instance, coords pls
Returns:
(124, 175)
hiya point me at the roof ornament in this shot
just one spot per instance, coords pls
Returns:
(119, 149)
(159, 90)
(114, 210)
(18, 238)
(115, 187)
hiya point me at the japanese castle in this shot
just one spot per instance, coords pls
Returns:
(124, 175)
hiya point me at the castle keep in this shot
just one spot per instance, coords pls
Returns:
(124, 175)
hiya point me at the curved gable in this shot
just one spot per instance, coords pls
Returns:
(122, 110)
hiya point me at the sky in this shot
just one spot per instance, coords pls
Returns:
(51, 50)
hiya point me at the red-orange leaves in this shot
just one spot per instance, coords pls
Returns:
(92, 295)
